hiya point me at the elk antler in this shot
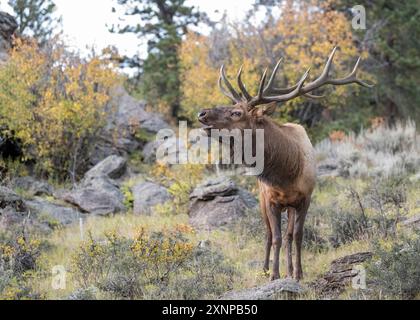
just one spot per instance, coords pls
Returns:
(267, 94)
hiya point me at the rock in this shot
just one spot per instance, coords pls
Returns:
(48, 212)
(340, 275)
(212, 188)
(219, 203)
(13, 210)
(273, 290)
(32, 186)
(170, 144)
(98, 193)
(149, 151)
(8, 26)
(98, 196)
(147, 195)
(413, 222)
(127, 116)
(10, 200)
(112, 167)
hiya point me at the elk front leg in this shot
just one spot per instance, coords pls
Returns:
(269, 243)
(298, 238)
(274, 217)
(291, 213)
(269, 239)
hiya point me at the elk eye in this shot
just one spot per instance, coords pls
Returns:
(236, 114)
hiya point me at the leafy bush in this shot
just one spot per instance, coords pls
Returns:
(359, 210)
(312, 239)
(18, 261)
(54, 102)
(158, 265)
(395, 270)
(348, 226)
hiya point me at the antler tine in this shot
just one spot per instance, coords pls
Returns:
(273, 76)
(226, 93)
(267, 94)
(241, 85)
(291, 95)
(323, 78)
(262, 85)
(351, 78)
(233, 95)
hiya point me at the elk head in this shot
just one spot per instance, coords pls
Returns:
(244, 114)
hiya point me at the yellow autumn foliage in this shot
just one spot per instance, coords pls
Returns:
(303, 36)
(53, 102)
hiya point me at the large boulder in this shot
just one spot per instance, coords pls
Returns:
(37, 214)
(98, 196)
(129, 126)
(148, 195)
(113, 167)
(8, 26)
(32, 187)
(98, 193)
(219, 203)
(272, 291)
(53, 214)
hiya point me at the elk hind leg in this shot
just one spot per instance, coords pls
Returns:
(291, 213)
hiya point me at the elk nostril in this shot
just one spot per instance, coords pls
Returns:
(202, 114)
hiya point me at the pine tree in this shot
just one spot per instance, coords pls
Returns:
(162, 23)
(35, 18)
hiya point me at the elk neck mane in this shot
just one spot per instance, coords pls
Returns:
(283, 157)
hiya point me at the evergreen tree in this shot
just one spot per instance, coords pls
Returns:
(35, 18)
(391, 37)
(162, 23)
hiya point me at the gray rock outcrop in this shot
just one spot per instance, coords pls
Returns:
(8, 26)
(32, 187)
(98, 193)
(219, 203)
(127, 117)
(272, 291)
(148, 195)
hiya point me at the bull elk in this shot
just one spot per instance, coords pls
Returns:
(289, 175)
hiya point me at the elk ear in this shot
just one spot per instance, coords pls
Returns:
(267, 110)
(270, 109)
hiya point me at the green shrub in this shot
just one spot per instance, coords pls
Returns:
(395, 270)
(18, 261)
(348, 226)
(158, 265)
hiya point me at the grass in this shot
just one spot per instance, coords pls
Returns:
(245, 256)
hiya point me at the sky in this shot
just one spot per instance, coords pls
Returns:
(84, 21)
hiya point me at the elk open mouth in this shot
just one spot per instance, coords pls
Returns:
(205, 126)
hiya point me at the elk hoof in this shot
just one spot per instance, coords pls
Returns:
(298, 277)
(275, 277)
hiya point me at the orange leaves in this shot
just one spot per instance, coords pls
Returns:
(54, 101)
(304, 35)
